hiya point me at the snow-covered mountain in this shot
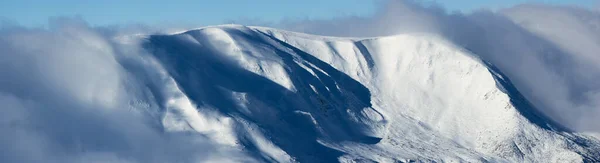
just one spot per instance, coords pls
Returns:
(281, 96)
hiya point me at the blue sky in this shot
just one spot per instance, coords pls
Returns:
(209, 12)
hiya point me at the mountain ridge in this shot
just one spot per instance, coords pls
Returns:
(309, 98)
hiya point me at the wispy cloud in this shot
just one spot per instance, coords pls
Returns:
(65, 97)
(549, 51)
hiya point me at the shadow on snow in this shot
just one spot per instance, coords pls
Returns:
(209, 79)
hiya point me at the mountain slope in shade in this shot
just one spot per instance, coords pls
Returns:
(291, 97)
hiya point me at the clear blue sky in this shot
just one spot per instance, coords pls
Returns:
(208, 12)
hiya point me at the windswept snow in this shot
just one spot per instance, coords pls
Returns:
(252, 94)
(287, 97)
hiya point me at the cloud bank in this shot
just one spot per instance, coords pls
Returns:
(67, 95)
(550, 52)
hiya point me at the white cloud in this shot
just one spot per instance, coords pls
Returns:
(550, 52)
(65, 96)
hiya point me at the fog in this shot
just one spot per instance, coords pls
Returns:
(550, 52)
(68, 95)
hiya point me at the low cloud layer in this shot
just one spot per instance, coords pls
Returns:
(550, 52)
(67, 95)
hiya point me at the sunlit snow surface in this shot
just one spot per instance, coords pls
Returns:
(284, 96)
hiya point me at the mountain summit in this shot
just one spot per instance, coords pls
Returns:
(281, 96)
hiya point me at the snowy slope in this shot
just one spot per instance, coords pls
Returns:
(290, 97)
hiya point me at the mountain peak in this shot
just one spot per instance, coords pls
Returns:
(298, 97)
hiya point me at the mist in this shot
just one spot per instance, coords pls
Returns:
(68, 95)
(550, 52)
